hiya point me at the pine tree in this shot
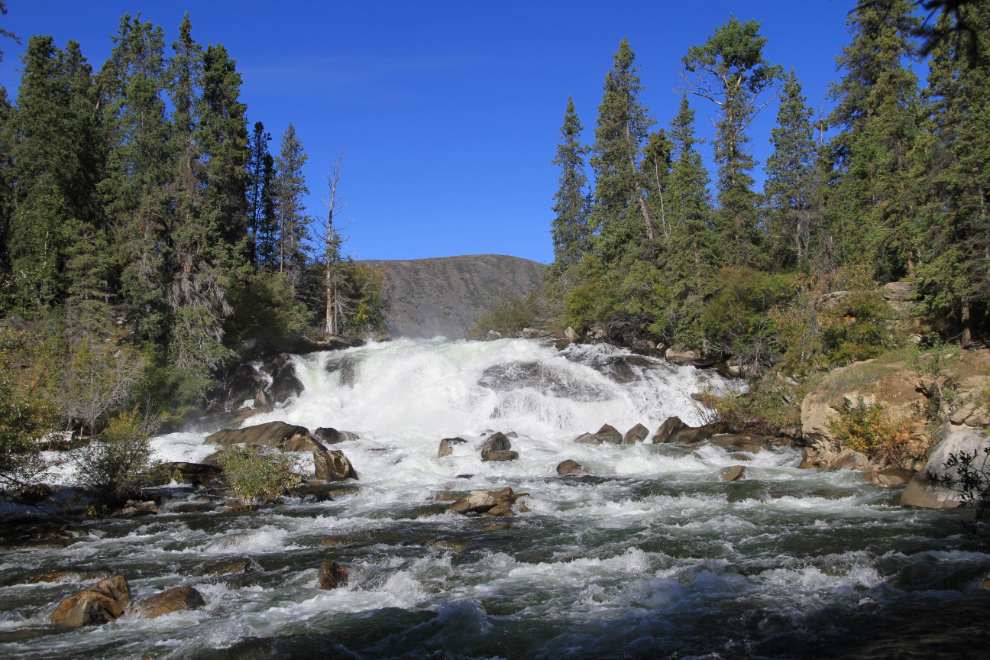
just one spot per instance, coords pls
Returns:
(876, 112)
(290, 208)
(731, 72)
(57, 161)
(956, 273)
(570, 225)
(788, 177)
(656, 165)
(620, 215)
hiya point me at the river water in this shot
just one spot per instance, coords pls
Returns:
(648, 556)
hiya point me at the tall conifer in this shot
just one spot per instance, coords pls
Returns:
(290, 207)
(570, 224)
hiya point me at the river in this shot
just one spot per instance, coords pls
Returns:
(651, 555)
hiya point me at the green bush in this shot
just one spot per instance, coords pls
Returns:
(265, 309)
(258, 475)
(867, 430)
(508, 314)
(110, 467)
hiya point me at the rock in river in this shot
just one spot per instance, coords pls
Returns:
(570, 467)
(497, 448)
(636, 434)
(332, 465)
(447, 446)
(95, 605)
(179, 599)
(332, 575)
(605, 434)
(274, 435)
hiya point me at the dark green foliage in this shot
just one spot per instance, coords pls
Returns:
(508, 314)
(570, 224)
(729, 70)
(290, 186)
(262, 220)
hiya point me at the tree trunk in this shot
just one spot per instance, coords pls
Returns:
(966, 333)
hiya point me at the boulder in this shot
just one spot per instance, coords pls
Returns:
(134, 508)
(852, 459)
(478, 501)
(605, 434)
(95, 605)
(636, 434)
(738, 442)
(894, 476)
(830, 300)
(682, 354)
(734, 473)
(285, 383)
(246, 383)
(332, 465)
(922, 491)
(570, 467)
(332, 575)
(450, 545)
(668, 429)
(530, 333)
(331, 436)
(500, 455)
(816, 416)
(571, 335)
(274, 435)
(447, 446)
(898, 291)
(809, 458)
(196, 473)
(179, 599)
(492, 335)
(497, 448)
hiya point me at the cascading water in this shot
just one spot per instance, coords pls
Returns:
(651, 555)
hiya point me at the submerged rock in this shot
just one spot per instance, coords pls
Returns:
(332, 575)
(447, 446)
(95, 605)
(179, 599)
(895, 476)
(734, 473)
(636, 434)
(450, 545)
(570, 467)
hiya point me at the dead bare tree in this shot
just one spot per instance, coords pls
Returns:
(335, 275)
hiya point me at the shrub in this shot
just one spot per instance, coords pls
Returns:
(265, 309)
(867, 429)
(258, 475)
(507, 314)
(764, 411)
(370, 309)
(110, 466)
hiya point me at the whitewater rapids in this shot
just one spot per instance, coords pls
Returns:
(651, 555)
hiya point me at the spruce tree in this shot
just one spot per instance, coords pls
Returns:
(290, 207)
(261, 203)
(876, 112)
(788, 177)
(956, 271)
(730, 71)
(621, 216)
(570, 224)
(57, 155)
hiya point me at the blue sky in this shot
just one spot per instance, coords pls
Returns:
(448, 112)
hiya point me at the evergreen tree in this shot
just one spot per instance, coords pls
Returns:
(656, 164)
(135, 190)
(731, 72)
(570, 224)
(876, 112)
(788, 177)
(261, 201)
(290, 209)
(620, 215)
(956, 273)
(55, 145)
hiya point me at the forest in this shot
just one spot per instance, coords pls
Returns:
(890, 185)
(149, 238)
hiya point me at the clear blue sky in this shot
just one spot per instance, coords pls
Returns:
(448, 112)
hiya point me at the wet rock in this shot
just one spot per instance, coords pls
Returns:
(285, 383)
(332, 575)
(809, 458)
(313, 492)
(95, 605)
(198, 474)
(336, 542)
(224, 566)
(332, 465)
(734, 473)
(345, 368)
(478, 501)
(192, 507)
(851, 459)
(134, 508)
(605, 434)
(246, 383)
(571, 335)
(636, 434)
(499, 510)
(922, 491)
(512, 434)
(450, 545)
(179, 599)
(50, 543)
(570, 467)
(739, 442)
(513, 376)
(274, 435)
(447, 446)
(445, 496)
(894, 476)
(492, 335)
(495, 456)
(498, 527)
(671, 426)
(497, 448)
(48, 578)
(531, 333)
(331, 436)
(985, 585)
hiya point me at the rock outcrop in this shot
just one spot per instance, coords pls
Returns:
(95, 605)
(922, 491)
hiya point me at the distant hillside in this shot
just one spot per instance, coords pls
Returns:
(445, 296)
